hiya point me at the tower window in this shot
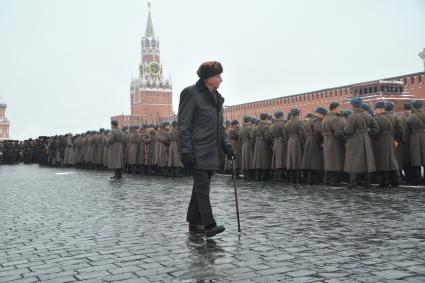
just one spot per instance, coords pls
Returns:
(375, 89)
(370, 89)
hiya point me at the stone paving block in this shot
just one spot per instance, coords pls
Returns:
(392, 274)
(92, 275)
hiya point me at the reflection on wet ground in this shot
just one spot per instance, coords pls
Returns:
(73, 225)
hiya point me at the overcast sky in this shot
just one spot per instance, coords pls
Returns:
(65, 66)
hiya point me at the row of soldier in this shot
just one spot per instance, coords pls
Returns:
(334, 146)
(329, 147)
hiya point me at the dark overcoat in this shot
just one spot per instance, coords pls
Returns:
(333, 142)
(294, 157)
(200, 125)
(416, 135)
(359, 155)
(313, 152)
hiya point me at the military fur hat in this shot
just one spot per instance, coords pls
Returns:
(101, 130)
(227, 123)
(114, 123)
(407, 105)
(346, 113)
(209, 69)
(321, 110)
(264, 116)
(278, 114)
(367, 108)
(389, 106)
(174, 123)
(356, 102)
(417, 104)
(295, 112)
(234, 123)
(334, 105)
(247, 119)
(379, 104)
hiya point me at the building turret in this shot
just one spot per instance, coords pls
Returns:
(4, 122)
(422, 56)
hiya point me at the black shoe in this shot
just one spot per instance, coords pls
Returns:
(196, 229)
(214, 231)
(113, 177)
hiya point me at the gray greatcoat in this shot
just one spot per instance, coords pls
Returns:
(133, 149)
(115, 158)
(313, 152)
(384, 150)
(262, 149)
(359, 155)
(174, 159)
(280, 145)
(200, 126)
(403, 150)
(246, 137)
(416, 137)
(333, 142)
(163, 148)
(295, 144)
(105, 143)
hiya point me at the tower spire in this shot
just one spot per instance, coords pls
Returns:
(149, 26)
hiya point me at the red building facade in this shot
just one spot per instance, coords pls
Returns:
(4, 122)
(395, 89)
(150, 93)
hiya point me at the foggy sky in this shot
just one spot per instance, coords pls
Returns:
(66, 65)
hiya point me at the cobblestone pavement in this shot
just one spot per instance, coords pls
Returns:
(66, 225)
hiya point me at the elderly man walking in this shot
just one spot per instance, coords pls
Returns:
(201, 137)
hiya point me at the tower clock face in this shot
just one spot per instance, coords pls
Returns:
(154, 69)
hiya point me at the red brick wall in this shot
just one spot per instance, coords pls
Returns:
(307, 102)
(152, 104)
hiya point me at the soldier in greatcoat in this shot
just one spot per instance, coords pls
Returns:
(164, 139)
(105, 142)
(333, 144)
(313, 147)
(132, 146)
(233, 136)
(174, 159)
(295, 146)
(247, 141)
(359, 159)
(262, 149)
(227, 169)
(115, 159)
(416, 139)
(280, 144)
(403, 150)
(386, 138)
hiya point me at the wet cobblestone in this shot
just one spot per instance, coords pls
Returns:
(66, 225)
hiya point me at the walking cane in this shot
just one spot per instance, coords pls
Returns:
(236, 193)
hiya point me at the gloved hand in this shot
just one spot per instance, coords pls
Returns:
(229, 151)
(187, 160)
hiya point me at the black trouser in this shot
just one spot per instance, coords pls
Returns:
(200, 211)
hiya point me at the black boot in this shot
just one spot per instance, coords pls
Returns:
(367, 180)
(352, 181)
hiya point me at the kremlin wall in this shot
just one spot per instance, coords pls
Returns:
(4, 122)
(151, 94)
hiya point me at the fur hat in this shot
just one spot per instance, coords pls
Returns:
(247, 119)
(209, 69)
(389, 106)
(379, 104)
(334, 105)
(278, 114)
(295, 112)
(407, 105)
(234, 123)
(356, 102)
(417, 104)
(321, 110)
(264, 116)
(114, 123)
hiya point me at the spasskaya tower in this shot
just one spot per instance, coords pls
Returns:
(150, 94)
